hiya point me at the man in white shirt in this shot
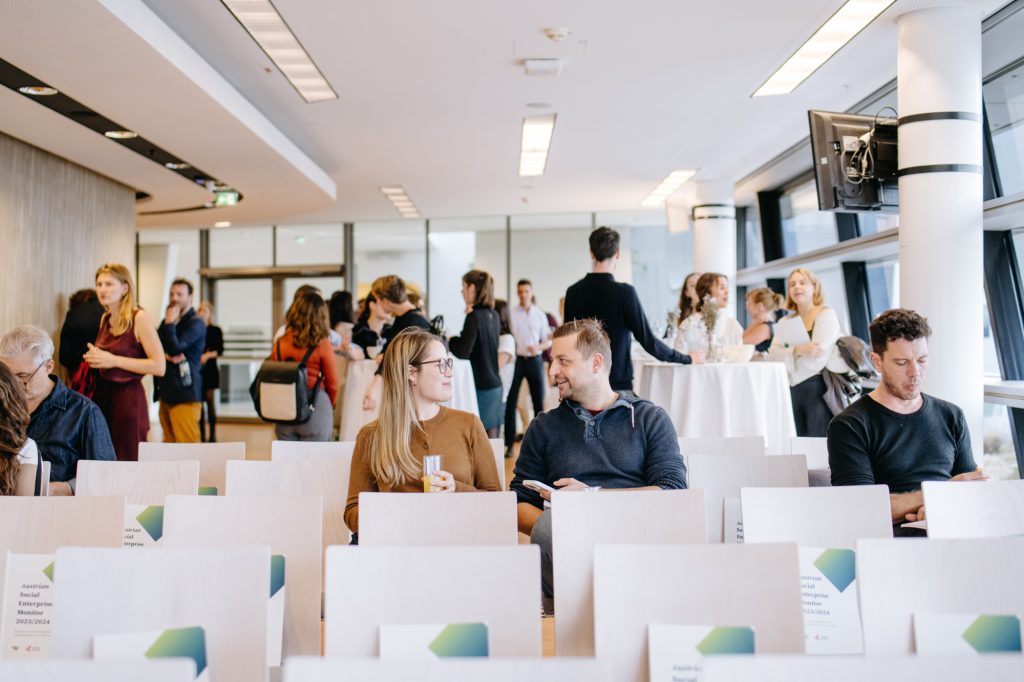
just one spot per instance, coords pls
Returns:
(533, 336)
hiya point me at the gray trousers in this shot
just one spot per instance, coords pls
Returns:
(541, 536)
(319, 426)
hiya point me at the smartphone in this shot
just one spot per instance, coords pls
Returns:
(537, 486)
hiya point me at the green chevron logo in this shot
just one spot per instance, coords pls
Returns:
(994, 634)
(48, 571)
(461, 639)
(839, 566)
(181, 643)
(276, 573)
(152, 521)
(727, 640)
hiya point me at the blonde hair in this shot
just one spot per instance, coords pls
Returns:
(126, 314)
(764, 296)
(390, 458)
(206, 305)
(819, 296)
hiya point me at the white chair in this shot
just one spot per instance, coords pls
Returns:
(26, 485)
(814, 449)
(372, 586)
(730, 445)
(39, 525)
(974, 509)
(223, 590)
(859, 668)
(498, 445)
(393, 519)
(327, 478)
(296, 450)
(722, 476)
(150, 670)
(580, 521)
(741, 585)
(444, 670)
(290, 526)
(141, 483)
(899, 578)
(212, 458)
(816, 517)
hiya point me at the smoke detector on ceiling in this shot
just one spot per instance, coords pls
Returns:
(542, 67)
(557, 33)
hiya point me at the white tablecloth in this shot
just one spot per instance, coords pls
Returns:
(359, 376)
(742, 399)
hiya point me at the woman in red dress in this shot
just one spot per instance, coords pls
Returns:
(126, 349)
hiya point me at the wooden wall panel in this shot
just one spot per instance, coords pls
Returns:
(58, 223)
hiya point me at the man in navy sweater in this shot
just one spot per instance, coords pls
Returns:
(596, 438)
(617, 306)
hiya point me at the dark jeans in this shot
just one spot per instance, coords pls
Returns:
(810, 412)
(533, 370)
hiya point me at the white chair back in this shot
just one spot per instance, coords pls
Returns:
(816, 517)
(859, 668)
(212, 458)
(392, 519)
(289, 526)
(223, 590)
(443, 670)
(722, 476)
(899, 578)
(297, 450)
(740, 585)
(368, 587)
(730, 445)
(140, 482)
(150, 670)
(581, 521)
(26, 485)
(814, 449)
(975, 509)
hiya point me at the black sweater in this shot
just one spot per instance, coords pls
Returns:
(616, 305)
(479, 343)
(411, 318)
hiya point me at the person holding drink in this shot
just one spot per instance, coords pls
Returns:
(396, 452)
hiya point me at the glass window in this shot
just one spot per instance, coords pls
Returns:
(552, 251)
(1004, 106)
(804, 227)
(310, 245)
(834, 287)
(883, 286)
(232, 247)
(244, 314)
(991, 360)
(456, 247)
(872, 223)
(165, 255)
(395, 247)
(752, 235)
(999, 459)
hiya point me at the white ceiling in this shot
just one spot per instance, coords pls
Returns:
(432, 95)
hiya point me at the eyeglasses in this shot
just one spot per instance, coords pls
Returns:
(444, 365)
(25, 378)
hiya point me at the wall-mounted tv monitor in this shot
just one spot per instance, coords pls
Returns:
(855, 163)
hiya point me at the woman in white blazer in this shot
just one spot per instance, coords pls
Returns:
(806, 342)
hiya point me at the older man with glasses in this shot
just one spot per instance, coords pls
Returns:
(66, 426)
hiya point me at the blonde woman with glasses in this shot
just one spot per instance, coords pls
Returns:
(412, 423)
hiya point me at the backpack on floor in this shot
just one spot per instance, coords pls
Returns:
(280, 390)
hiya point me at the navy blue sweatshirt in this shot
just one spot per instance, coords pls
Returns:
(631, 444)
(616, 305)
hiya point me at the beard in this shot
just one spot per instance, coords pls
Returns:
(902, 391)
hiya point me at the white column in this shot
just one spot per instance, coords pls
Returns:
(940, 186)
(714, 234)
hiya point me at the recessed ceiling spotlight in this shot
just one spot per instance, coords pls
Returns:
(222, 223)
(37, 90)
(538, 105)
(268, 28)
(121, 134)
(177, 165)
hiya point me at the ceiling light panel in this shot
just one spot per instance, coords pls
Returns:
(266, 26)
(667, 187)
(840, 29)
(536, 141)
(398, 197)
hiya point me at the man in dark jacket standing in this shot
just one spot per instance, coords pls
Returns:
(617, 306)
(183, 335)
